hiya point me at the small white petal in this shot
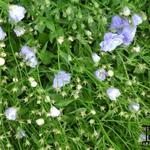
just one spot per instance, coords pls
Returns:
(60, 40)
(11, 113)
(110, 73)
(126, 11)
(40, 121)
(95, 57)
(33, 83)
(2, 61)
(19, 31)
(113, 93)
(54, 112)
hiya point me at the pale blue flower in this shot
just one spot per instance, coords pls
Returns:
(136, 19)
(128, 33)
(2, 34)
(11, 113)
(16, 13)
(101, 74)
(29, 56)
(61, 79)
(118, 23)
(113, 93)
(111, 41)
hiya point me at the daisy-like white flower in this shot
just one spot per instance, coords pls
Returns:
(61, 79)
(95, 58)
(2, 34)
(11, 113)
(54, 112)
(29, 56)
(101, 74)
(134, 106)
(16, 13)
(111, 41)
(40, 121)
(113, 93)
(19, 31)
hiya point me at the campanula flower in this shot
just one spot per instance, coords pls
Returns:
(128, 33)
(11, 113)
(118, 23)
(61, 79)
(29, 56)
(2, 34)
(111, 41)
(101, 74)
(113, 93)
(136, 19)
(16, 13)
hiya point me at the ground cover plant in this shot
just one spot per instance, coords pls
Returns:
(74, 74)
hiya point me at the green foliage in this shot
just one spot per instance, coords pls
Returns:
(81, 25)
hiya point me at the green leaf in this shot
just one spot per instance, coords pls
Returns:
(50, 25)
(45, 57)
(63, 103)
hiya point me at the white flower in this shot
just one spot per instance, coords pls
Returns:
(54, 112)
(33, 83)
(110, 73)
(11, 113)
(16, 13)
(126, 11)
(2, 61)
(29, 56)
(40, 121)
(95, 57)
(19, 31)
(113, 93)
(2, 34)
(134, 106)
(101, 74)
(137, 49)
(60, 40)
(61, 79)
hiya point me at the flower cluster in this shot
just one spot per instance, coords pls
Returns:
(123, 29)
